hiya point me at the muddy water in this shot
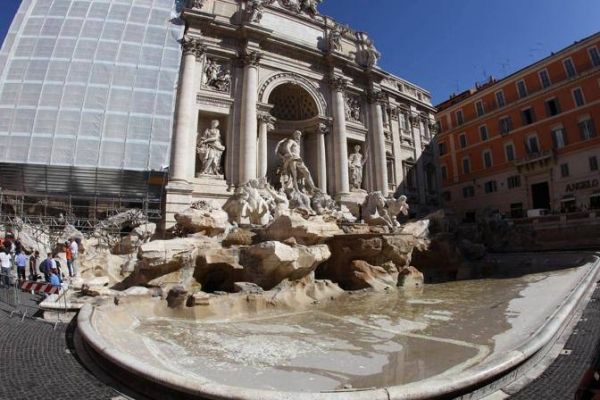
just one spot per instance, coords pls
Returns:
(363, 340)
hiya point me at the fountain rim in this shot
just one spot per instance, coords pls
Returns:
(491, 370)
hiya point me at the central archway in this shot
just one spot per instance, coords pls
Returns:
(295, 105)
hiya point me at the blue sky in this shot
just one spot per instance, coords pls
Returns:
(446, 46)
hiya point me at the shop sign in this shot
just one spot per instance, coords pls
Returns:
(590, 183)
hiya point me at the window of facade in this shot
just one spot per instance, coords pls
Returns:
(444, 172)
(564, 170)
(544, 79)
(505, 125)
(483, 133)
(513, 181)
(462, 139)
(490, 187)
(552, 107)
(528, 116)
(509, 149)
(442, 148)
(522, 89)
(479, 108)
(468, 191)
(594, 56)
(595, 202)
(487, 159)
(460, 119)
(500, 98)
(569, 68)
(593, 163)
(466, 164)
(578, 97)
(587, 129)
(533, 146)
(559, 137)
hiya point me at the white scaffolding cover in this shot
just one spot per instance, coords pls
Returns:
(90, 83)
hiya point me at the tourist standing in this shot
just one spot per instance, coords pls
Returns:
(74, 247)
(21, 262)
(47, 266)
(69, 257)
(33, 261)
(5, 264)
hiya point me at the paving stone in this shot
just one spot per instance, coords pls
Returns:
(561, 380)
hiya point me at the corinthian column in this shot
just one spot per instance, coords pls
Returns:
(380, 180)
(248, 126)
(322, 158)
(185, 117)
(266, 124)
(340, 141)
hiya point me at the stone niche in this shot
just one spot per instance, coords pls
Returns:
(211, 185)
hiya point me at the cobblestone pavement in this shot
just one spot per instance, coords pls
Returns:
(37, 362)
(561, 380)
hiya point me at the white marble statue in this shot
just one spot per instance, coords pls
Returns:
(355, 165)
(237, 206)
(210, 150)
(397, 206)
(293, 172)
(217, 76)
(376, 213)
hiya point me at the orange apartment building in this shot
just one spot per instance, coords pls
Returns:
(527, 142)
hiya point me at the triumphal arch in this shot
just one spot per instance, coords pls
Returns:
(254, 72)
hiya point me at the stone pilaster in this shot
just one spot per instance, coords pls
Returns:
(185, 113)
(265, 125)
(248, 126)
(322, 130)
(377, 135)
(340, 141)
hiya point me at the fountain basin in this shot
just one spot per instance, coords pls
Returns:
(444, 340)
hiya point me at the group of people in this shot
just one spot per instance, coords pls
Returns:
(50, 267)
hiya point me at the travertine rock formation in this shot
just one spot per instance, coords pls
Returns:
(306, 231)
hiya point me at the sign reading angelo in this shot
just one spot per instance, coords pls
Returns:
(590, 183)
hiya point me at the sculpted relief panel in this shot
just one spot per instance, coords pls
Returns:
(217, 75)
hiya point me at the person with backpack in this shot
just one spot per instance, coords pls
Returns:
(46, 267)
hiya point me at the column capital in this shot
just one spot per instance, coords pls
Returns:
(375, 96)
(267, 119)
(415, 119)
(338, 83)
(323, 129)
(250, 58)
(192, 45)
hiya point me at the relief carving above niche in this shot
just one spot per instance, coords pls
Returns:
(353, 109)
(217, 75)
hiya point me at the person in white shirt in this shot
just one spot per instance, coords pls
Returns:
(74, 247)
(5, 264)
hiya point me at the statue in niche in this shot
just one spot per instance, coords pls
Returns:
(355, 164)
(210, 150)
(293, 173)
(217, 76)
(352, 109)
